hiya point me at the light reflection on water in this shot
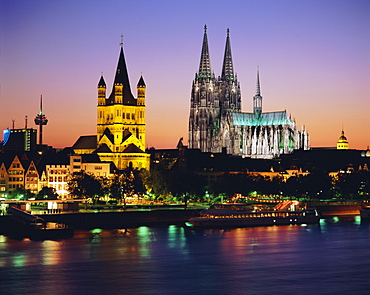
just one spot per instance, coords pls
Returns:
(330, 258)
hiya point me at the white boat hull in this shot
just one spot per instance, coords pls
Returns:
(258, 221)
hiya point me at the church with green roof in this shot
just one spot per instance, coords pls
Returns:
(216, 122)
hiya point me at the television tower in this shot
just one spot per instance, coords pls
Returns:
(40, 120)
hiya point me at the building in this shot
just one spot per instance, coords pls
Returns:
(90, 163)
(120, 123)
(342, 143)
(17, 140)
(216, 121)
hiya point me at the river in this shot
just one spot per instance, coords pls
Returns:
(330, 258)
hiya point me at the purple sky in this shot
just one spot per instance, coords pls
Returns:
(314, 60)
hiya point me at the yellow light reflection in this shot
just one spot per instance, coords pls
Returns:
(51, 252)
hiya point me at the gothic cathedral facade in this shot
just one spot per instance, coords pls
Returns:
(216, 121)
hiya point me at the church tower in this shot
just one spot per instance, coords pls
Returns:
(121, 121)
(211, 100)
(204, 104)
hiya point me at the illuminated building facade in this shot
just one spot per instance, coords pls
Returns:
(121, 128)
(19, 139)
(216, 121)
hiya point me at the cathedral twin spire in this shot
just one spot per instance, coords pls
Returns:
(227, 67)
(205, 63)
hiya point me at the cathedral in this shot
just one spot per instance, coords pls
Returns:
(216, 122)
(121, 130)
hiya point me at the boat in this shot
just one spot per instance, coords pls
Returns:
(25, 225)
(243, 215)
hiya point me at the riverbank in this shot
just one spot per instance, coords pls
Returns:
(115, 219)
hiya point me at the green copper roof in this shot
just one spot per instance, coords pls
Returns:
(266, 119)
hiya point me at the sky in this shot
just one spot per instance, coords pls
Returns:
(313, 56)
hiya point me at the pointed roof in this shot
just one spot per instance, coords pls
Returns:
(108, 134)
(122, 77)
(141, 82)
(126, 134)
(180, 143)
(103, 149)
(132, 148)
(102, 82)
(205, 63)
(85, 142)
(227, 67)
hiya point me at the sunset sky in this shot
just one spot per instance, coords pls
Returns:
(313, 56)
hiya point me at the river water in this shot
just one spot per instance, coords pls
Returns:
(330, 258)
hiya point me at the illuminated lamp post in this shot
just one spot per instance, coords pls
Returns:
(40, 120)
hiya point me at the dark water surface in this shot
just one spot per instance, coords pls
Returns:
(330, 258)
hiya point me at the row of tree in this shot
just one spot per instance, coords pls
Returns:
(317, 185)
(182, 185)
(119, 187)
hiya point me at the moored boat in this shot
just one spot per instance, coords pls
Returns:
(240, 215)
(25, 225)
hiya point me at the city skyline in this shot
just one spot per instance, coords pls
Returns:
(313, 60)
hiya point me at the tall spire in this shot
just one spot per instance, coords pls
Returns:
(258, 87)
(227, 67)
(205, 64)
(122, 77)
(257, 99)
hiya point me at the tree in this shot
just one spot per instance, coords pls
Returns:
(157, 182)
(21, 193)
(84, 185)
(121, 186)
(183, 183)
(47, 193)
